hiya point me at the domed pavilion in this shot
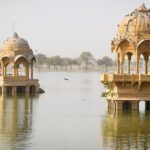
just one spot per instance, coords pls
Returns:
(127, 87)
(16, 61)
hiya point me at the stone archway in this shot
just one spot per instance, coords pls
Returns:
(143, 48)
(21, 70)
(21, 89)
(32, 89)
(127, 105)
(9, 69)
(6, 63)
(125, 48)
(22, 65)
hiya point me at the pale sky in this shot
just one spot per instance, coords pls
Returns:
(65, 27)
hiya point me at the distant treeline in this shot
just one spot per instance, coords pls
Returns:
(85, 61)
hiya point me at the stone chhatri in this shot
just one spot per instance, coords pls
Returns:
(125, 90)
(16, 57)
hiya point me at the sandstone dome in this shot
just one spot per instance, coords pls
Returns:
(138, 22)
(15, 43)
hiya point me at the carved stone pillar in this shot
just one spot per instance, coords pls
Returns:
(15, 71)
(121, 66)
(3, 74)
(146, 66)
(129, 61)
(137, 66)
(27, 71)
(31, 70)
(118, 66)
(4, 70)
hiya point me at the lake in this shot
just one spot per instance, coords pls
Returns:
(70, 115)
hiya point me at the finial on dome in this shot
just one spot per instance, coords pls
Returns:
(142, 8)
(15, 35)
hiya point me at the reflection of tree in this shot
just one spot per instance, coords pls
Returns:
(126, 131)
(15, 120)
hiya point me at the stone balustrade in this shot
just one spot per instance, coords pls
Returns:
(125, 77)
(22, 81)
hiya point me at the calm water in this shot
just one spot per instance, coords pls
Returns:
(71, 115)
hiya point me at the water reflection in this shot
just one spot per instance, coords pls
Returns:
(126, 130)
(15, 121)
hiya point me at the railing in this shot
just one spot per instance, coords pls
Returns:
(20, 80)
(124, 77)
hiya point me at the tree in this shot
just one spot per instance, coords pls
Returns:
(41, 59)
(67, 62)
(105, 61)
(74, 62)
(77, 61)
(49, 62)
(85, 58)
(56, 61)
(100, 62)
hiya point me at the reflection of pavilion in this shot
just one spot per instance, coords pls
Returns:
(16, 61)
(126, 131)
(15, 120)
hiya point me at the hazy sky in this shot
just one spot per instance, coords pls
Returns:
(65, 27)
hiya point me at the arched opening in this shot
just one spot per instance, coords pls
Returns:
(127, 49)
(132, 66)
(9, 89)
(143, 48)
(127, 105)
(22, 66)
(9, 70)
(6, 66)
(32, 89)
(127, 63)
(21, 70)
(21, 89)
(118, 63)
(141, 64)
(147, 105)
